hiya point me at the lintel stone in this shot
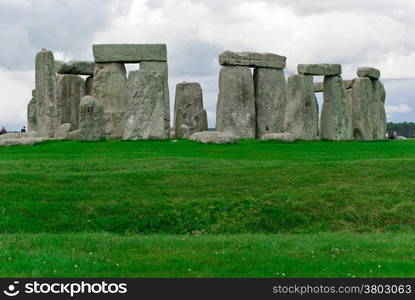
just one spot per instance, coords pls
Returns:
(129, 53)
(252, 59)
(75, 67)
(368, 72)
(319, 69)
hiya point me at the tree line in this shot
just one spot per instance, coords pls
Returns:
(406, 129)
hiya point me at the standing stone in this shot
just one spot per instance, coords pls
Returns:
(270, 100)
(382, 113)
(46, 105)
(188, 109)
(31, 113)
(91, 119)
(301, 116)
(374, 109)
(110, 87)
(335, 123)
(236, 103)
(362, 94)
(161, 67)
(146, 107)
(70, 89)
(349, 102)
(88, 85)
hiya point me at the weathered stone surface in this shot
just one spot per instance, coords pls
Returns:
(75, 67)
(185, 130)
(91, 119)
(347, 84)
(319, 69)
(110, 87)
(252, 59)
(213, 137)
(74, 135)
(301, 115)
(19, 135)
(46, 104)
(70, 89)
(318, 87)
(88, 85)
(270, 100)
(63, 130)
(129, 53)
(362, 94)
(188, 108)
(235, 111)
(172, 133)
(31, 112)
(161, 67)
(25, 141)
(368, 72)
(278, 136)
(146, 107)
(335, 123)
(382, 114)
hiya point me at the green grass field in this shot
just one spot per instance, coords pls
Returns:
(162, 209)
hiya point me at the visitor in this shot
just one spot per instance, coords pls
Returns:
(3, 130)
(23, 129)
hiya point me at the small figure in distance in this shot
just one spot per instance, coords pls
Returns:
(3, 130)
(23, 129)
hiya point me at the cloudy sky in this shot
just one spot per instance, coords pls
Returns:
(378, 33)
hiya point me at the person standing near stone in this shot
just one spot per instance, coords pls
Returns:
(188, 110)
(91, 119)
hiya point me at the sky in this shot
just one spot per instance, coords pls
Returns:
(354, 33)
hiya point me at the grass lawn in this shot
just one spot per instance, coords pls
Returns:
(259, 209)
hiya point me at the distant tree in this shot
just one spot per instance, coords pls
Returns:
(406, 129)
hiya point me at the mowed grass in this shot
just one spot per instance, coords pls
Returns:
(182, 209)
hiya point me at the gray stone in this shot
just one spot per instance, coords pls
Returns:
(235, 111)
(110, 87)
(368, 72)
(25, 141)
(172, 133)
(335, 123)
(188, 108)
(75, 67)
(63, 130)
(46, 104)
(213, 137)
(347, 84)
(382, 113)
(146, 107)
(91, 119)
(301, 115)
(278, 136)
(129, 53)
(252, 59)
(185, 130)
(70, 89)
(74, 135)
(270, 100)
(88, 85)
(362, 94)
(19, 135)
(320, 69)
(161, 67)
(318, 87)
(31, 113)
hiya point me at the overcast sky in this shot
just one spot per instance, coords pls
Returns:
(378, 33)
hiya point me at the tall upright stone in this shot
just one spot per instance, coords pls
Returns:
(91, 119)
(188, 109)
(270, 100)
(235, 111)
(88, 85)
(31, 113)
(161, 67)
(301, 116)
(146, 107)
(362, 96)
(335, 116)
(70, 89)
(110, 87)
(46, 104)
(382, 113)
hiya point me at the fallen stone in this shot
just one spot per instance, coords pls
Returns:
(213, 137)
(235, 111)
(368, 72)
(91, 119)
(74, 135)
(278, 136)
(25, 141)
(63, 130)
(161, 67)
(75, 67)
(70, 89)
(19, 135)
(335, 123)
(319, 69)
(31, 112)
(110, 87)
(146, 107)
(129, 53)
(270, 100)
(301, 116)
(188, 109)
(252, 59)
